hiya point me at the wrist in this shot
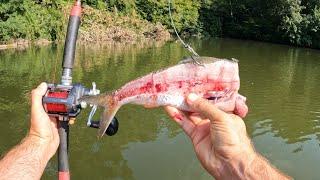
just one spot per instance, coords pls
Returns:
(237, 166)
(260, 168)
(250, 166)
(42, 146)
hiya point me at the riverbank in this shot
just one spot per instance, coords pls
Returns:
(103, 27)
(23, 43)
(294, 23)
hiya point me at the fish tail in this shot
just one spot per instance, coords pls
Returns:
(111, 106)
(107, 117)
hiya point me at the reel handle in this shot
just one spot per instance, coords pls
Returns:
(112, 129)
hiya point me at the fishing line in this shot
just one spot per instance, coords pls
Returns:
(185, 45)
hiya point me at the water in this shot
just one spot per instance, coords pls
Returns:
(281, 84)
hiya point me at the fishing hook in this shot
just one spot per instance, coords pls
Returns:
(196, 62)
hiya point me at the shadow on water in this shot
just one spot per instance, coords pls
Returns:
(280, 82)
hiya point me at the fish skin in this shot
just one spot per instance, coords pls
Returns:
(217, 80)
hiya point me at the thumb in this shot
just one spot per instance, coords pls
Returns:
(37, 95)
(205, 108)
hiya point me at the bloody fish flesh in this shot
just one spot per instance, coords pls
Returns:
(216, 80)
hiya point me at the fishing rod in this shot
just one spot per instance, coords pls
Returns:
(185, 45)
(62, 100)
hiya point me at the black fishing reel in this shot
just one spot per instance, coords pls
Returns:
(62, 101)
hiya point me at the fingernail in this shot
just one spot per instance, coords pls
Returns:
(192, 97)
(43, 85)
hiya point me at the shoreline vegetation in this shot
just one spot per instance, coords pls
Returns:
(36, 22)
(103, 27)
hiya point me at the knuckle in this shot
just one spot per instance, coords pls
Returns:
(201, 103)
(197, 104)
(233, 116)
(225, 116)
(236, 118)
(206, 105)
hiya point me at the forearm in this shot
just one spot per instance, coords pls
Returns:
(252, 166)
(260, 168)
(26, 161)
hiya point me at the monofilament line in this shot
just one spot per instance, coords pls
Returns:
(187, 46)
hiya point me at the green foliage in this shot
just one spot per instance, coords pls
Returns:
(301, 28)
(122, 6)
(209, 19)
(285, 21)
(29, 19)
(295, 22)
(185, 13)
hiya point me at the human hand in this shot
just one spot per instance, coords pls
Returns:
(220, 140)
(43, 128)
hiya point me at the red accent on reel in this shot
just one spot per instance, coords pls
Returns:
(59, 108)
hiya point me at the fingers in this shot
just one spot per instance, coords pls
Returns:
(37, 95)
(241, 108)
(54, 125)
(54, 122)
(150, 106)
(196, 119)
(179, 117)
(205, 108)
(175, 114)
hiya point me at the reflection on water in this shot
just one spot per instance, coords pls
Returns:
(173, 163)
(280, 82)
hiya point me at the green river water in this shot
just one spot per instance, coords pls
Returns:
(280, 82)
